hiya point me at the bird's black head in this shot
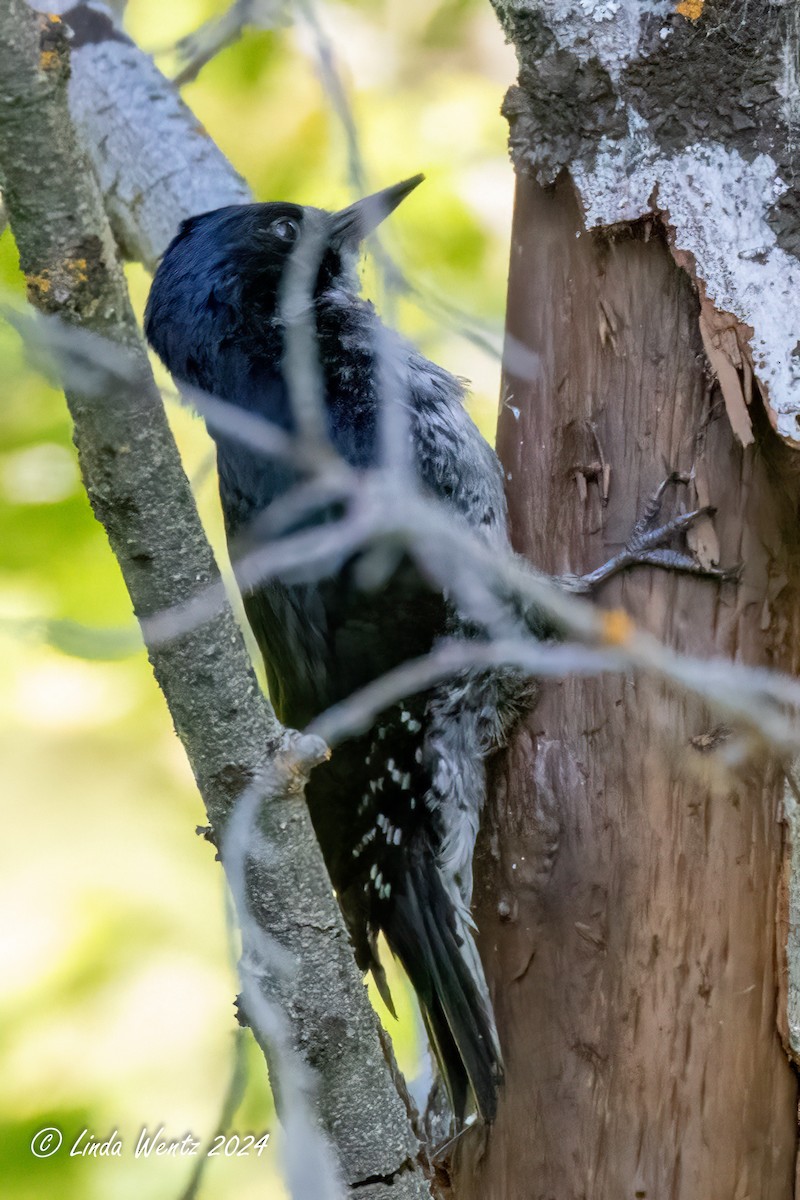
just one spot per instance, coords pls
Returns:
(222, 273)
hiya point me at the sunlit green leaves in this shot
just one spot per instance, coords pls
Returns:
(118, 980)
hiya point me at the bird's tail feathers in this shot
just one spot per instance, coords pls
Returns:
(428, 929)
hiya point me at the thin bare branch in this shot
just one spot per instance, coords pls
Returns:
(197, 49)
(137, 487)
(488, 585)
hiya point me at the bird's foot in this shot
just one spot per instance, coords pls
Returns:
(646, 546)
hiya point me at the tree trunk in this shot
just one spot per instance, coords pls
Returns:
(632, 897)
(629, 880)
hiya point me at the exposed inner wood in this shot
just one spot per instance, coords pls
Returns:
(627, 883)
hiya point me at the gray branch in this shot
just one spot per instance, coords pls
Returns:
(503, 592)
(316, 1005)
(155, 163)
(198, 49)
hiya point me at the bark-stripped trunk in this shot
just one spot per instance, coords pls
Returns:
(629, 884)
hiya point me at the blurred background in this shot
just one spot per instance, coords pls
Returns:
(117, 968)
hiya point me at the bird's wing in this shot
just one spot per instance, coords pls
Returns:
(290, 625)
(455, 461)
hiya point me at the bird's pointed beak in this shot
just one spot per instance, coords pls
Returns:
(352, 224)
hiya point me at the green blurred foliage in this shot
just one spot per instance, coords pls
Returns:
(118, 963)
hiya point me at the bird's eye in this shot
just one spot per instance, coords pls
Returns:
(286, 229)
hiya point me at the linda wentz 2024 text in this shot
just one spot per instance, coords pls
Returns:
(158, 1145)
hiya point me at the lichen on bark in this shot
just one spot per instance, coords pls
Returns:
(694, 116)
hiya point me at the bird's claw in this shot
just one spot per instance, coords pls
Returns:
(646, 545)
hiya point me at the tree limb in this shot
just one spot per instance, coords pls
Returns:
(155, 163)
(235, 745)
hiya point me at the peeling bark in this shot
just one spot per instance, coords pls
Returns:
(629, 882)
(694, 120)
(637, 895)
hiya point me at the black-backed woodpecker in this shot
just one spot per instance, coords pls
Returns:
(397, 809)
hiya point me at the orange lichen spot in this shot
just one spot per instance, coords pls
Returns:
(617, 627)
(77, 268)
(48, 60)
(691, 9)
(39, 285)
